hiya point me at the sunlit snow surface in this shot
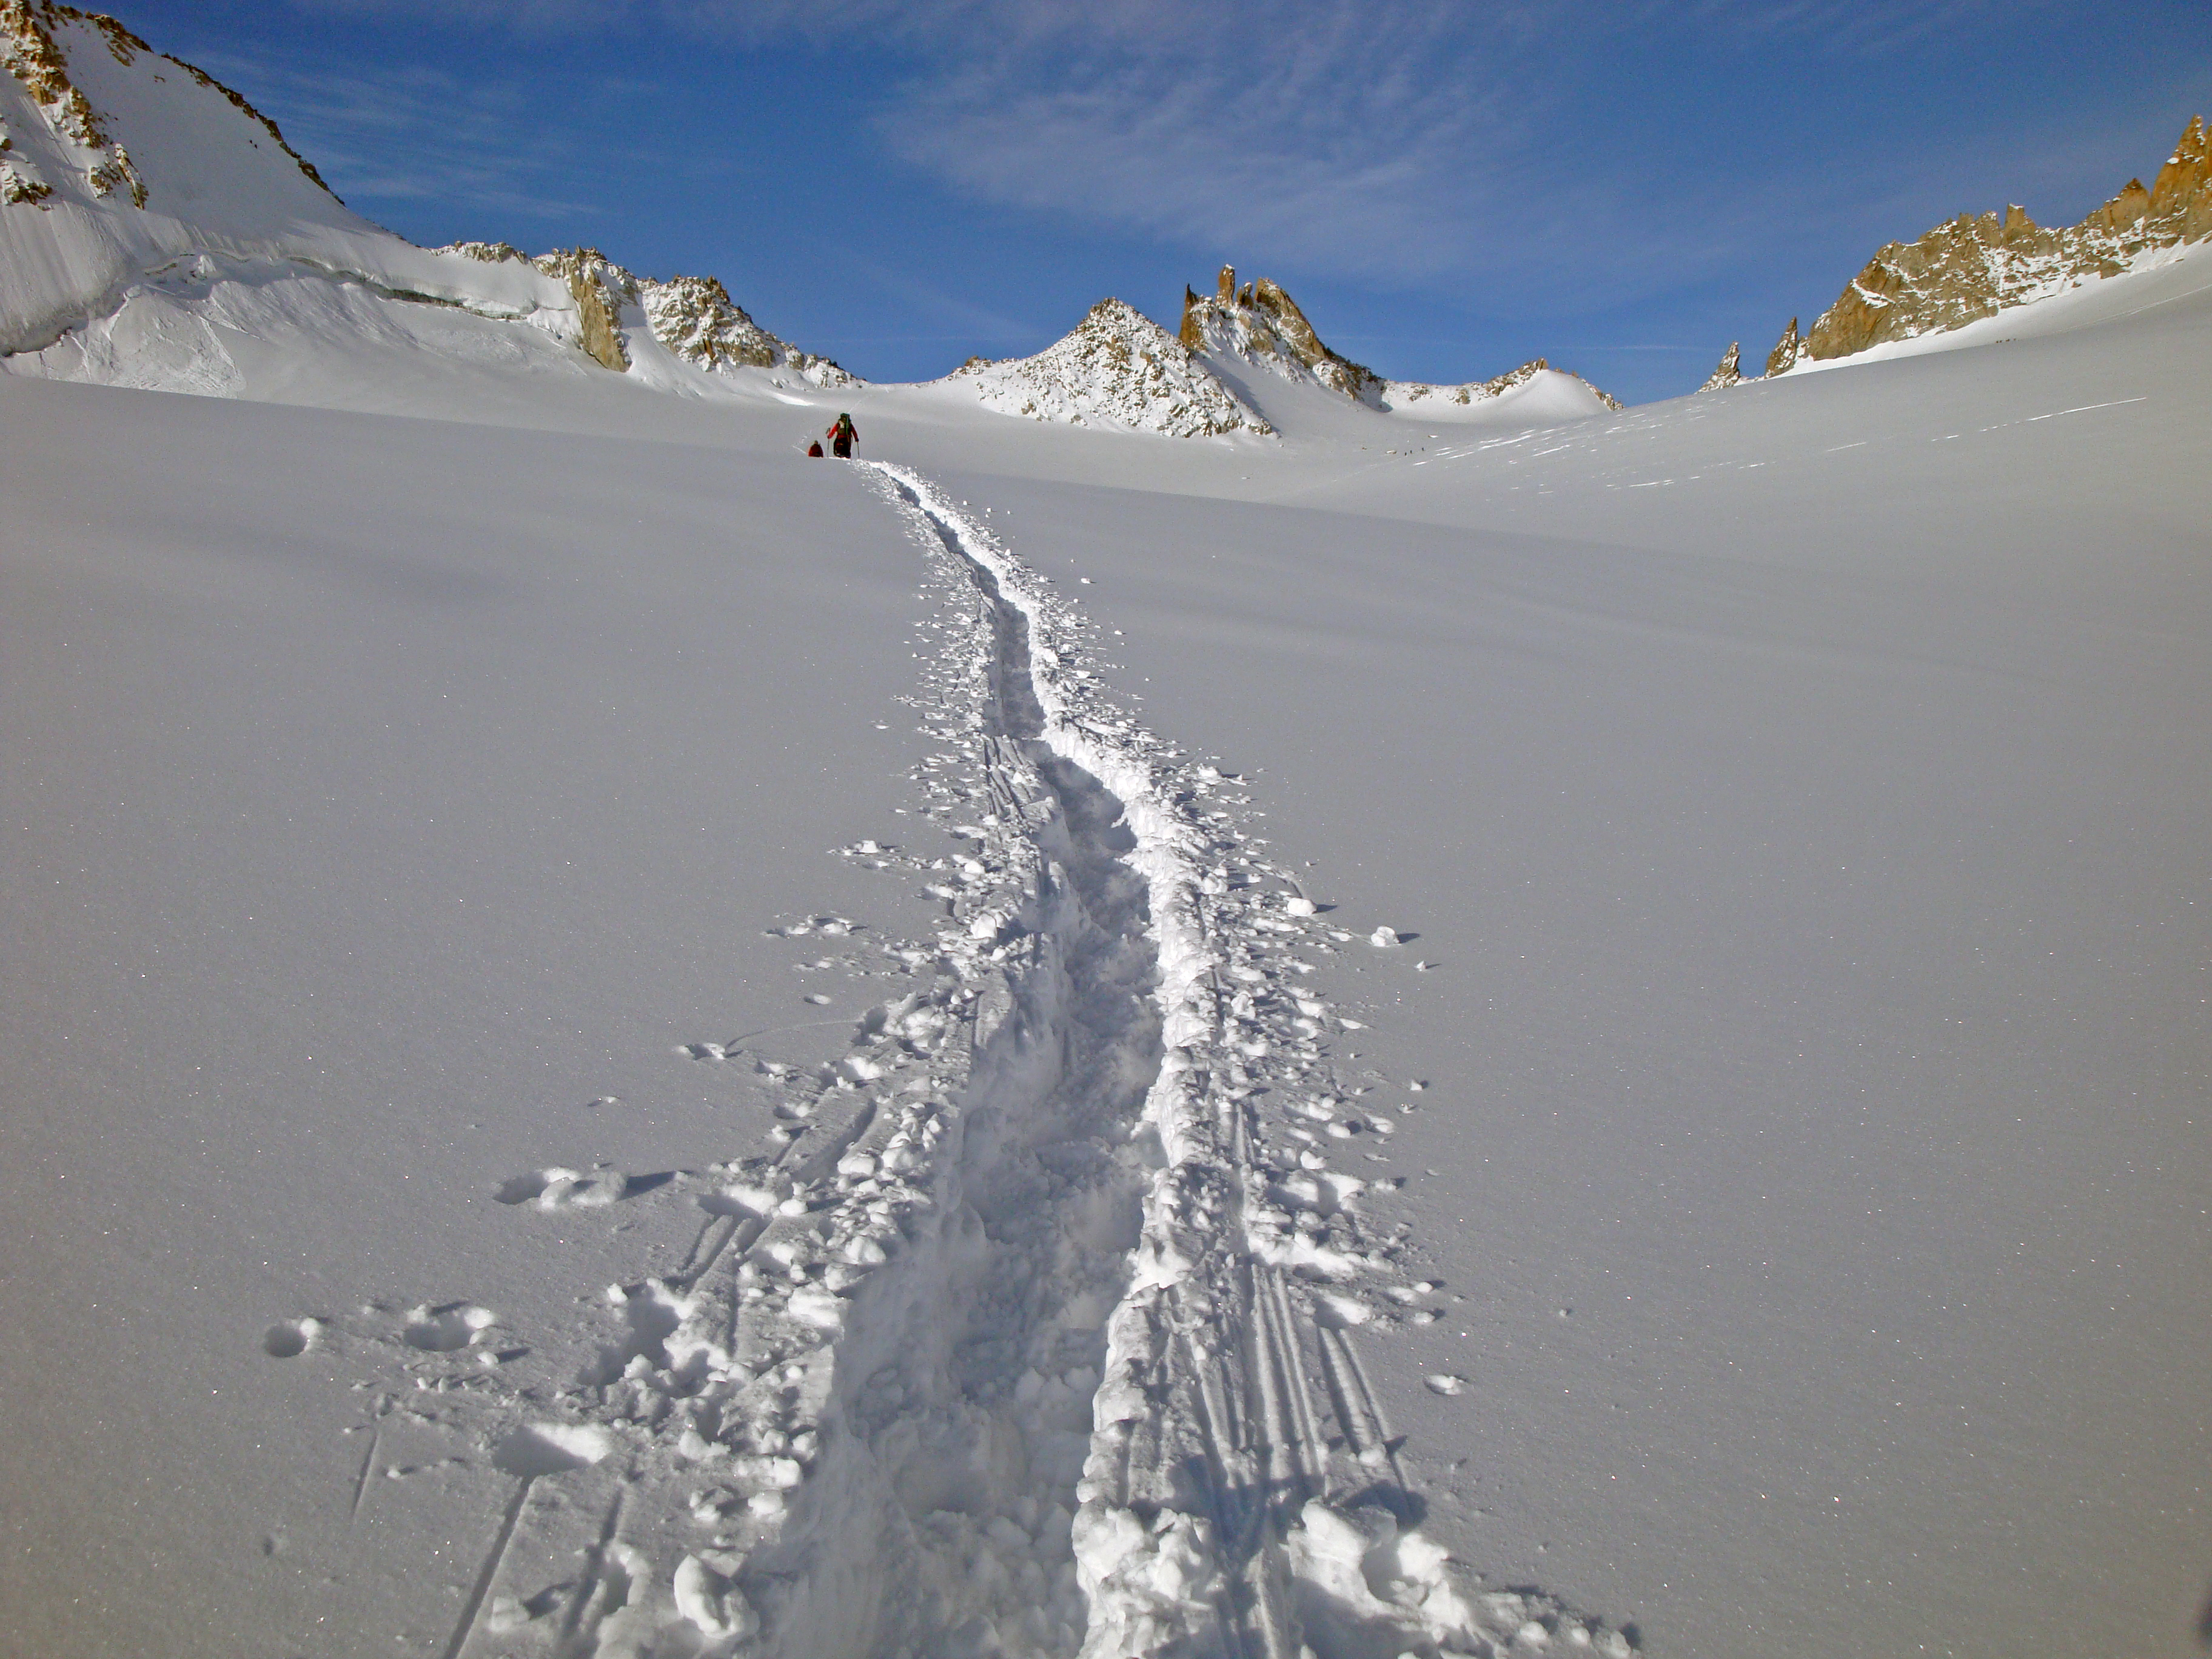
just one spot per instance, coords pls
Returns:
(624, 1042)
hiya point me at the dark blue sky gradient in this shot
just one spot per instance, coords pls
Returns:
(1447, 189)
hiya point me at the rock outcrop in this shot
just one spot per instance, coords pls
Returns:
(696, 318)
(600, 288)
(1727, 371)
(1116, 368)
(693, 318)
(27, 51)
(1976, 265)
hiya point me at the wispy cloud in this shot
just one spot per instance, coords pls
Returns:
(419, 134)
(1407, 143)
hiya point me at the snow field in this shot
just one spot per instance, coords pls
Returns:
(1030, 1334)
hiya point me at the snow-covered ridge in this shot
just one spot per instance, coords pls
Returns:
(1421, 398)
(122, 163)
(1977, 265)
(1116, 368)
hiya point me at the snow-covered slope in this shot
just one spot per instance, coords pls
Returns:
(1118, 370)
(1057, 1043)
(1567, 1007)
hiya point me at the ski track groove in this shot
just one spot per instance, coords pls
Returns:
(1015, 1343)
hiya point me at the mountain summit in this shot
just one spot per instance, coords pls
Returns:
(1260, 324)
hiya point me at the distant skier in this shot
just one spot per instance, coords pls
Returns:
(842, 436)
(815, 449)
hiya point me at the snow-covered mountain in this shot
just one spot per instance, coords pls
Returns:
(144, 206)
(1977, 265)
(1259, 325)
(1116, 368)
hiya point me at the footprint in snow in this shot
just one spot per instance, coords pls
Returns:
(559, 1189)
(447, 1329)
(289, 1339)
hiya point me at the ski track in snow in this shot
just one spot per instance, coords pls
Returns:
(1032, 1333)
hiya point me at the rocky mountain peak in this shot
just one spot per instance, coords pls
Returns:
(1257, 322)
(1727, 371)
(1260, 323)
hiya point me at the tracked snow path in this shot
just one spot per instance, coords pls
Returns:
(1215, 1514)
(1032, 1333)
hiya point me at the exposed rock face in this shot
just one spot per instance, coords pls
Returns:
(1727, 371)
(1116, 368)
(1263, 325)
(695, 318)
(600, 288)
(1787, 349)
(1974, 266)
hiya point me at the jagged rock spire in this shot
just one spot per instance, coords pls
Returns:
(1727, 371)
(1783, 358)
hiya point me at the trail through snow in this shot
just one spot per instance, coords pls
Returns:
(1031, 1334)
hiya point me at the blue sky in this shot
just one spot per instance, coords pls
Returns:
(1447, 188)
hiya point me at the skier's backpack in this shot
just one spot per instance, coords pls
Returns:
(815, 449)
